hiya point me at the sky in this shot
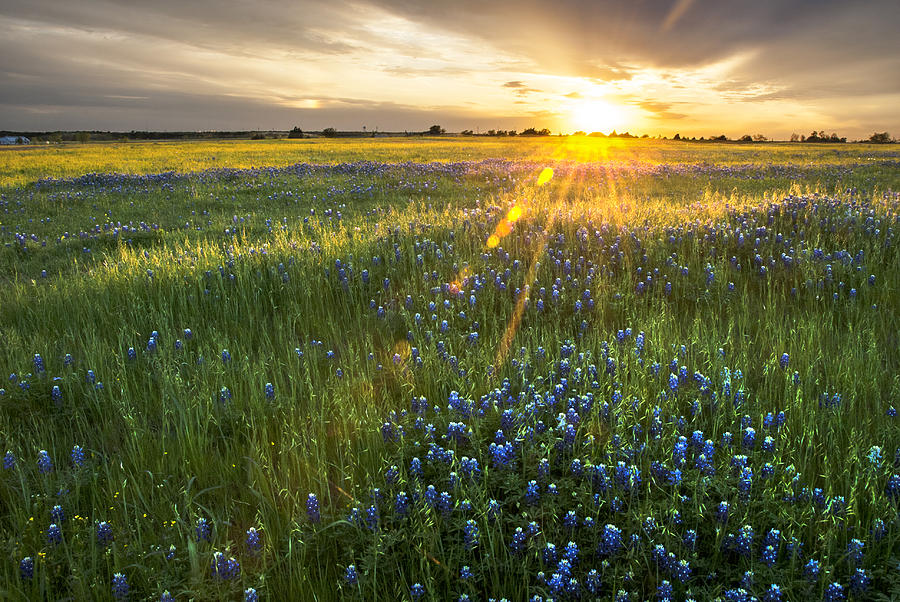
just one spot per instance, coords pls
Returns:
(694, 67)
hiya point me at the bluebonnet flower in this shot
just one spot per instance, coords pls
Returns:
(224, 395)
(811, 570)
(372, 517)
(225, 568)
(518, 541)
(26, 568)
(722, 512)
(783, 362)
(859, 581)
(417, 591)
(226, 356)
(571, 553)
(119, 587)
(270, 391)
(610, 541)
(38, 364)
(166, 597)
(892, 488)
(664, 591)
(874, 456)
(834, 592)
(773, 594)
(9, 461)
(549, 553)
(77, 455)
(57, 514)
(132, 354)
(769, 555)
(54, 535)
(104, 533)
(45, 464)
(690, 539)
(68, 360)
(855, 551)
(56, 395)
(532, 492)
(749, 437)
(312, 508)
(250, 595)
(744, 541)
(252, 540)
(350, 575)
(202, 529)
(493, 511)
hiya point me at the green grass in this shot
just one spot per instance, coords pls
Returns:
(247, 262)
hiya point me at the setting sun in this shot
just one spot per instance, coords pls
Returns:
(597, 115)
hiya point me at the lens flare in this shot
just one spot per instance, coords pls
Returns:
(545, 176)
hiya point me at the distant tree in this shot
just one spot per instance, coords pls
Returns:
(467, 133)
(676, 137)
(597, 135)
(82, 136)
(746, 138)
(535, 132)
(720, 138)
(795, 137)
(759, 138)
(578, 133)
(880, 138)
(436, 130)
(329, 132)
(295, 132)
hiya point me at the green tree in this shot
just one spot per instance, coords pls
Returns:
(880, 138)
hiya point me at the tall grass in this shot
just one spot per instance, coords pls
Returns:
(269, 265)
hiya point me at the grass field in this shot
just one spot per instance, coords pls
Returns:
(414, 369)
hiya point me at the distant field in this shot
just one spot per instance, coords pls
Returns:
(22, 165)
(414, 369)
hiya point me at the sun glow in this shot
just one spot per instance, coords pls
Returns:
(596, 115)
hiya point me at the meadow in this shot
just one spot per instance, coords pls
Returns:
(435, 369)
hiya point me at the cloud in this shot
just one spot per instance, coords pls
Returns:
(237, 63)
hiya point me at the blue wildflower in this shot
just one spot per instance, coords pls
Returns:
(77, 455)
(202, 529)
(252, 540)
(54, 535)
(119, 587)
(26, 568)
(350, 575)
(104, 533)
(834, 592)
(45, 464)
(312, 508)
